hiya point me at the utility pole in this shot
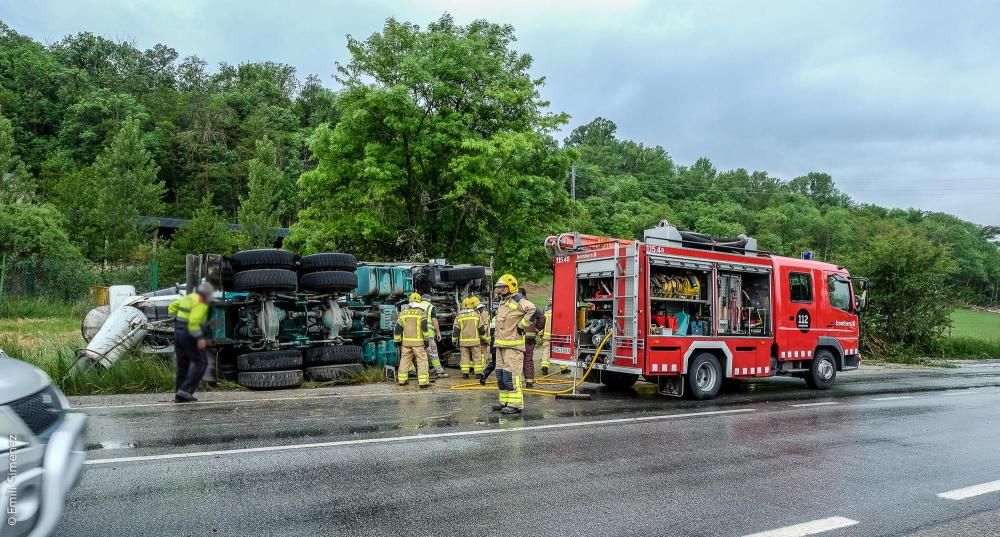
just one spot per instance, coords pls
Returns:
(572, 182)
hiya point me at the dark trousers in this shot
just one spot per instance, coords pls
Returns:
(529, 358)
(191, 362)
(490, 367)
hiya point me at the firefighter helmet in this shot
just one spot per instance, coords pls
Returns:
(468, 303)
(474, 300)
(509, 281)
(415, 297)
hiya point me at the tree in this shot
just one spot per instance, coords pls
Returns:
(36, 231)
(106, 200)
(16, 183)
(444, 147)
(260, 210)
(205, 233)
(910, 302)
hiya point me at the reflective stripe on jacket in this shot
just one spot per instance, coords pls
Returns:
(428, 310)
(512, 318)
(547, 331)
(191, 312)
(469, 330)
(410, 328)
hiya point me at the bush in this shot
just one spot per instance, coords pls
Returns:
(960, 347)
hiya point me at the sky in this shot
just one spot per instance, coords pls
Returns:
(897, 100)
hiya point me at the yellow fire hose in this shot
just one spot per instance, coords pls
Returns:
(544, 380)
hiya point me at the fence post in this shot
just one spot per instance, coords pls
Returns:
(3, 275)
(154, 275)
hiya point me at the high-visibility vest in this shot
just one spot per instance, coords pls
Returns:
(428, 310)
(191, 312)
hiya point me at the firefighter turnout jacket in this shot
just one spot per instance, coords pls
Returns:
(411, 325)
(469, 329)
(428, 309)
(512, 319)
(191, 312)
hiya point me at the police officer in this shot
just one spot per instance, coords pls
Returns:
(513, 317)
(409, 332)
(433, 333)
(468, 335)
(191, 312)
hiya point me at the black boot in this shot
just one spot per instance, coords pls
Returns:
(498, 407)
(545, 370)
(465, 375)
(510, 410)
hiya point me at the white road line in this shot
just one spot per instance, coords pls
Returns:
(894, 398)
(808, 528)
(966, 391)
(816, 404)
(969, 492)
(393, 439)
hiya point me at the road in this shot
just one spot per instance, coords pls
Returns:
(869, 457)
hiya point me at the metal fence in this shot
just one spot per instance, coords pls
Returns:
(30, 277)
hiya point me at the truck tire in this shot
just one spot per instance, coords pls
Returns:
(332, 355)
(269, 360)
(463, 274)
(271, 380)
(265, 280)
(823, 371)
(327, 261)
(326, 373)
(329, 281)
(618, 381)
(704, 377)
(264, 258)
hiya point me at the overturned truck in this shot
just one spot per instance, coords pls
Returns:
(279, 319)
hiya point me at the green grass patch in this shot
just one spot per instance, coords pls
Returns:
(981, 325)
(38, 308)
(135, 372)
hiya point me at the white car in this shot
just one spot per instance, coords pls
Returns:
(41, 450)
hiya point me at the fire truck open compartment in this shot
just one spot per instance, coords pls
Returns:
(680, 300)
(595, 311)
(744, 301)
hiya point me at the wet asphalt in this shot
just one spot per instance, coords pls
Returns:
(877, 449)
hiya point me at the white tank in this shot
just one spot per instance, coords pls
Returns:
(123, 329)
(119, 294)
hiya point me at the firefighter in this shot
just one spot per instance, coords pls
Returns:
(191, 312)
(530, 335)
(484, 315)
(468, 335)
(546, 336)
(409, 333)
(433, 333)
(513, 317)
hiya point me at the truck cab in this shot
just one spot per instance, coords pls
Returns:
(687, 311)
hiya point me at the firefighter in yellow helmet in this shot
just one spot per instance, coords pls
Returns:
(483, 311)
(433, 333)
(411, 326)
(513, 317)
(468, 334)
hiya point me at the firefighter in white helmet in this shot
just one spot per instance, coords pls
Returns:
(513, 317)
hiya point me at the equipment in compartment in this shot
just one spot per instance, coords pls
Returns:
(679, 302)
(744, 304)
(595, 309)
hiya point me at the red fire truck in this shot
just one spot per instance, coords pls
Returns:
(687, 311)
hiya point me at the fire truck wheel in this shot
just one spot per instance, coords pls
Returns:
(823, 371)
(618, 381)
(265, 280)
(269, 360)
(704, 377)
(263, 258)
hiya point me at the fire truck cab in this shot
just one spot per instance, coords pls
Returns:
(687, 311)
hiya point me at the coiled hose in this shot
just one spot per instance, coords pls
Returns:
(471, 386)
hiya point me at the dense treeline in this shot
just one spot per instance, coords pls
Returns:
(435, 144)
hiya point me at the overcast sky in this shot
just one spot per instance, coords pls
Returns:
(899, 101)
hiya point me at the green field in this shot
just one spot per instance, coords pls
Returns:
(975, 324)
